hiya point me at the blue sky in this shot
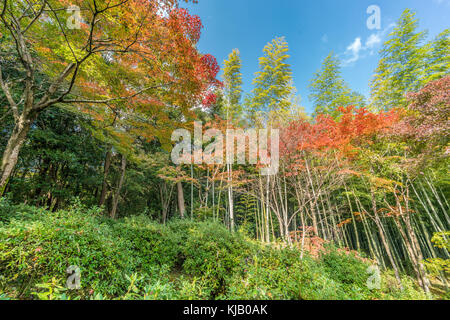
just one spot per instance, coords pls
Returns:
(313, 28)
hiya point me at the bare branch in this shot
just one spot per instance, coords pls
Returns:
(62, 31)
(9, 97)
(2, 14)
(37, 15)
(46, 99)
(106, 101)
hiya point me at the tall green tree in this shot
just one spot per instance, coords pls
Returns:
(232, 89)
(329, 90)
(401, 68)
(233, 111)
(438, 58)
(273, 83)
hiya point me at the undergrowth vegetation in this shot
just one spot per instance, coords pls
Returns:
(135, 258)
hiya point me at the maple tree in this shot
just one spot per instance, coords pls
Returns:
(126, 56)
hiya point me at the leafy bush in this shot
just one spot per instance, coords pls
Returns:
(437, 266)
(135, 258)
(150, 243)
(347, 270)
(213, 252)
(281, 274)
(33, 252)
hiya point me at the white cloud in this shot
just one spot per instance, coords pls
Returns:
(373, 40)
(447, 2)
(324, 38)
(355, 46)
(353, 51)
(356, 50)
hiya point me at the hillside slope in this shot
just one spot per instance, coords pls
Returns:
(138, 259)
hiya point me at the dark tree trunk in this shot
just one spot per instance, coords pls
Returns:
(15, 143)
(181, 205)
(105, 176)
(119, 187)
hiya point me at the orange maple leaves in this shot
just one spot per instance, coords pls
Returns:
(342, 134)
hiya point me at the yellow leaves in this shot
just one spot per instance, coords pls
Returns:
(349, 172)
(380, 182)
(384, 184)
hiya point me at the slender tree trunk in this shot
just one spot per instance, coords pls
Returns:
(105, 176)
(180, 197)
(409, 250)
(192, 192)
(119, 187)
(416, 245)
(286, 213)
(313, 201)
(166, 198)
(418, 256)
(15, 143)
(355, 230)
(383, 239)
(163, 205)
(267, 210)
(230, 196)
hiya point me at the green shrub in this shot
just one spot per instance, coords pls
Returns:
(268, 274)
(150, 243)
(212, 252)
(281, 274)
(135, 258)
(35, 251)
(347, 270)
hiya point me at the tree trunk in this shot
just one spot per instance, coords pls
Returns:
(180, 197)
(416, 245)
(230, 197)
(383, 238)
(15, 143)
(119, 187)
(417, 255)
(312, 200)
(105, 176)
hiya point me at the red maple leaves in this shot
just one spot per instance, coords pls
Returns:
(189, 25)
(209, 99)
(327, 133)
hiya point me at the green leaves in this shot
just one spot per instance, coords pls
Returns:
(402, 67)
(329, 90)
(438, 58)
(270, 98)
(233, 85)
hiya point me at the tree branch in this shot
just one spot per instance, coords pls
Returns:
(9, 97)
(106, 101)
(36, 16)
